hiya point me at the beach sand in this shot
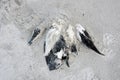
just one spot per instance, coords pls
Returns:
(19, 61)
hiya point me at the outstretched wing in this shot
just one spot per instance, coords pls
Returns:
(34, 35)
(84, 36)
(89, 43)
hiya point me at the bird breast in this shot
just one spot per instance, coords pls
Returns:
(70, 34)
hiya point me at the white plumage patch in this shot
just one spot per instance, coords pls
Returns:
(51, 38)
(71, 39)
(60, 54)
(80, 28)
(71, 33)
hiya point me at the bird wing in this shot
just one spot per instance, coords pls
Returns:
(87, 35)
(89, 43)
(51, 38)
(34, 36)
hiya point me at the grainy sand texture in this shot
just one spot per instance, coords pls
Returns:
(19, 61)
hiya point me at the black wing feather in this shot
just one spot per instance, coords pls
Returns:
(86, 33)
(89, 43)
(35, 33)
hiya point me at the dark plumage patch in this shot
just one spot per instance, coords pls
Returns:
(51, 57)
(35, 33)
(66, 58)
(50, 60)
(73, 48)
(67, 61)
(60, 44)
(88, 42)
(86, 33)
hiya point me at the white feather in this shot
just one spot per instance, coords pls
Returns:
(78, 36)
(80, 28)
(60, 54)
(71, 34)
(52, 37)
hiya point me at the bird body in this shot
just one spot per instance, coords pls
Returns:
(54, 46)
(70, 38)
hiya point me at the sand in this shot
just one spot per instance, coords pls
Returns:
(19, 61)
